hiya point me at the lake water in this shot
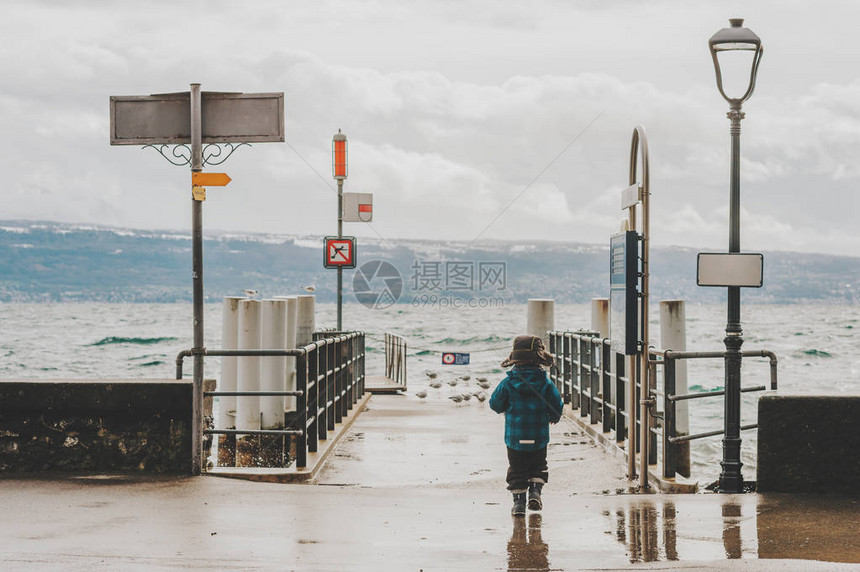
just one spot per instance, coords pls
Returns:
(816, 346)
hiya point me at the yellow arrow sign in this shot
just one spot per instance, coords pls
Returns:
(209, 179)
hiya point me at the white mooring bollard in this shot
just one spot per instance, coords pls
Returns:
(248, 379)
(541, 319)
(273, 370)
(673, 336)
(600, 316)
(229, 341)
(227, 382)
(305, 321)
(292, 312)
(600, 324)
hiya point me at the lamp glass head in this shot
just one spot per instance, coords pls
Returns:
(736, 52)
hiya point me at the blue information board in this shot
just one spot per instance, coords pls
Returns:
(624, 292)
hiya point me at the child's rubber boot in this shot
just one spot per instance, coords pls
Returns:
(535, 502)
(519, 508)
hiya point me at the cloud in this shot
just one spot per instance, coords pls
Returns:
(449, 119)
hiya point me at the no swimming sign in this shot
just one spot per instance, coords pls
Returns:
(455, 358)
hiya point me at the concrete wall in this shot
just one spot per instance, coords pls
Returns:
(809, 444)
(96, 425)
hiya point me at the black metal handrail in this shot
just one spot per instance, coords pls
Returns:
(584, 379)
(395, 359)
(592, 378)
(670, 437)
(330, 379)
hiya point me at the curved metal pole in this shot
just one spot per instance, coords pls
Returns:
(639, 150)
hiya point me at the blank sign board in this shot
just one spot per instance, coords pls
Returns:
(225, 118)
(730, 269)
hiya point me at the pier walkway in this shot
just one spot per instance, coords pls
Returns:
(416, 486)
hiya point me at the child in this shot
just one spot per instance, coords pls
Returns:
(530, 403)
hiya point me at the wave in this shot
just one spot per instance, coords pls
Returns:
(816, 353)
(492, 338)
(424, 353)
(696, 388)
(113, 340)
(151, 363)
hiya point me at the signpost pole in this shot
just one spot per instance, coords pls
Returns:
(197, 285)
(340, 269)
(233, 119)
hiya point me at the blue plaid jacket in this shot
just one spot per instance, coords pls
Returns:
(530, 403)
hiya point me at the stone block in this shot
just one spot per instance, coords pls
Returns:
(809, 443)
(96, 425)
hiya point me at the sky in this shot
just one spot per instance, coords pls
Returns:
(467, 120)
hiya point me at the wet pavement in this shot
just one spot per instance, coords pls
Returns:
(416, 486)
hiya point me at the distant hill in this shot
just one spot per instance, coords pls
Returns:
(54, 262)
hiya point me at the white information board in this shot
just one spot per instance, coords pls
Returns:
(730, 269)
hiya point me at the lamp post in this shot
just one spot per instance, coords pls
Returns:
(740, 40)
(339, 172)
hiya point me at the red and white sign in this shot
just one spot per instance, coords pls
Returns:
(339, 252)
(357, 207)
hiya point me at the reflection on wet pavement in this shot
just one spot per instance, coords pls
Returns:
(748, 526)
(732, 530)
(526, 548)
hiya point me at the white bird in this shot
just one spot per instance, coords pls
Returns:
(482, 397)
(435, 384)
(251, 293)
(452, 382)
(466, 377)
(431, 374)
(309, 288)
(485, 384)
(480, 379)
(456, 398)
(421, 394)
(466, 396)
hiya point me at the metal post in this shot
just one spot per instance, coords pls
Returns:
(630, 366)
(670, 450)
(197, 286)
(339, 269)
(640, 145)
(731, 479)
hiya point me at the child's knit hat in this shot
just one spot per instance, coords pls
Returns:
(528, 350)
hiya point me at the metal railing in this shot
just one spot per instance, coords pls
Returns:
(330, 379)
(583, 377)
(670, 438)
(395, 359)
(592, 379)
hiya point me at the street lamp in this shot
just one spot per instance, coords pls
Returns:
(339, 171)
(740, 41)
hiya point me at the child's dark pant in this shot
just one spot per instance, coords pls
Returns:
(524, 466)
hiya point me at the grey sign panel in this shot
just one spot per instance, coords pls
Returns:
(165, 119)
(730, 269)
